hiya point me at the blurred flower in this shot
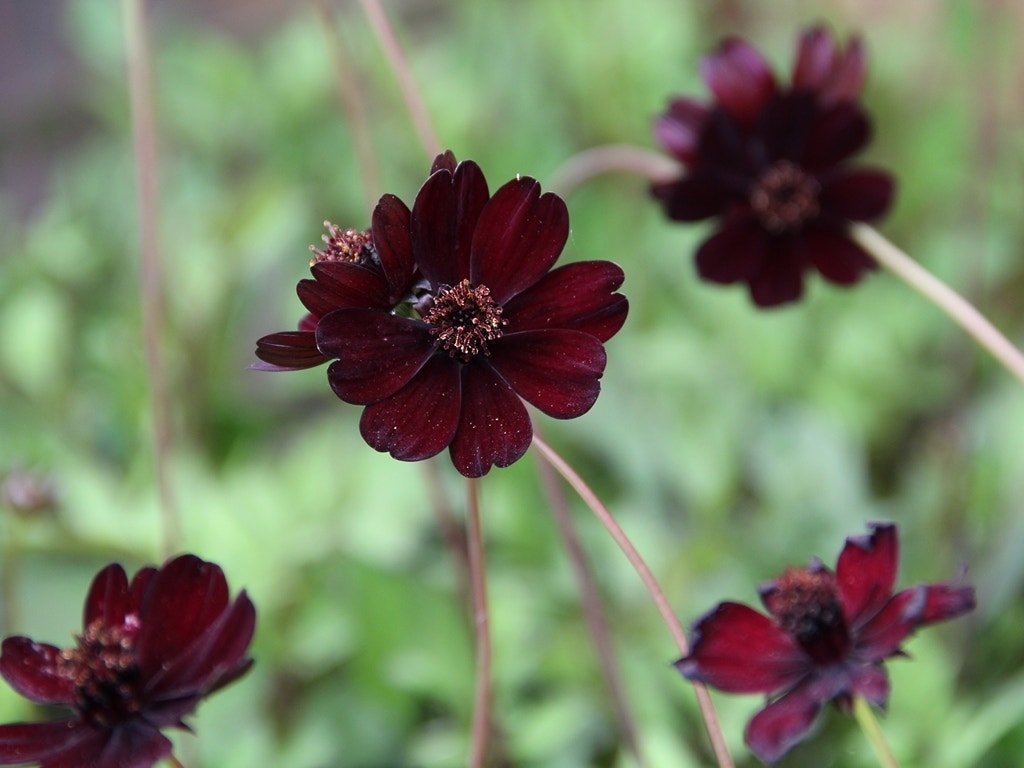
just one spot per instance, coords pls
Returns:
(826, 639)
(489, 324)
(770, 164)
(28, 493)
(150, 651)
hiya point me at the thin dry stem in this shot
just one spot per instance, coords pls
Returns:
(400, 66)
(654, 589)
(354, 105)
(592, 609)
(150, 272)
(940, 294)
(481, 623)
(451, 533)
(622, 158)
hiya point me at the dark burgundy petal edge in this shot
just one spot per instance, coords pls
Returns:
(33, 670)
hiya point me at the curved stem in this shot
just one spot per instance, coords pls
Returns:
(869, 724)
(940, 294)
(657, 594)
(481, 623)
(400, 66)
(143, 122)
(592, 609)
(174, 762)
(624, 158)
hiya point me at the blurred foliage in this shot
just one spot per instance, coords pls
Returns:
(730, 442)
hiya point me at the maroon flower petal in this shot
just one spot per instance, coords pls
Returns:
(342, 284)
(107, 600)
(494, 427)
(54, 743)
(777, 728)
(377, 353)
(836, 256)
(866, 573)
(444, 216)
(780, 278)
(693, 198)
(419, 420)
(739, 650)
(33, 670)
(881, 636)
(785, 123)
(739, 77)
(446, 160)
(678, 129)
(862, 195)
(518, 238)
(837, 133)
(736, 252)
(556, 370)
(943, 601)
(822, 68)
(183, 599)
(871, 683)
(391, 239)
(288, 351)
(579, 296)
(133, 744)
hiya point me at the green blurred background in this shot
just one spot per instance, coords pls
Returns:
(729, 442)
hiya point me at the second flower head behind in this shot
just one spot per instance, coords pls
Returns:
(770, 164)
(485, 324)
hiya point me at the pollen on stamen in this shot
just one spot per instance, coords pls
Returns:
(348, 245)
(463, 318)
(785, 197)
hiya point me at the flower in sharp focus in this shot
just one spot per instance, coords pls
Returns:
(347, 272)
(770, 164)
(151, 649)
(825, 640)
(491, 323)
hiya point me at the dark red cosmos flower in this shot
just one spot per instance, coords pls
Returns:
(825, 640)
(770, 164)
(487, 327)
(150, 651)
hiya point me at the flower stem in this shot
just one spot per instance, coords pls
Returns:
(174, 762)
(354, 105)
(609, 158)
(400, 66)
(592, 609)
(869, 724)
(481, 624)
(657, 594)
(150, 273)
(940, 294)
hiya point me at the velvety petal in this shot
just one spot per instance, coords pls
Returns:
(943, 601)
(556, 370)
(837, 133)
(139, 588)
(736, 252)
(446, 161)
(494, 427)
(212, 657)
(784, 125)
(861, 195)
(288, 351)
(780, 726)
(134, 744)
(837, 257)
(678, 129)
(340, 285)
(693, 198)
(738, 650)
(881, 636)
(866, 573)
(444, 217)
(518, 238)
(33, 670)
(579, 296)
(822, 68)
(377, 353)
(393, 241)
(186, 596)
(739, 77)
(780, 277)
(54, 743)
(107, 600)
(419, 420)
(871, 683)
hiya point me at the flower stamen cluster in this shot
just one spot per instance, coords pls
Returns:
(104, 669)
(463, 319)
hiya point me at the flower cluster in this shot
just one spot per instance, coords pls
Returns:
(442, 319)
(769, 163)
(825, 639)
(150, 650)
